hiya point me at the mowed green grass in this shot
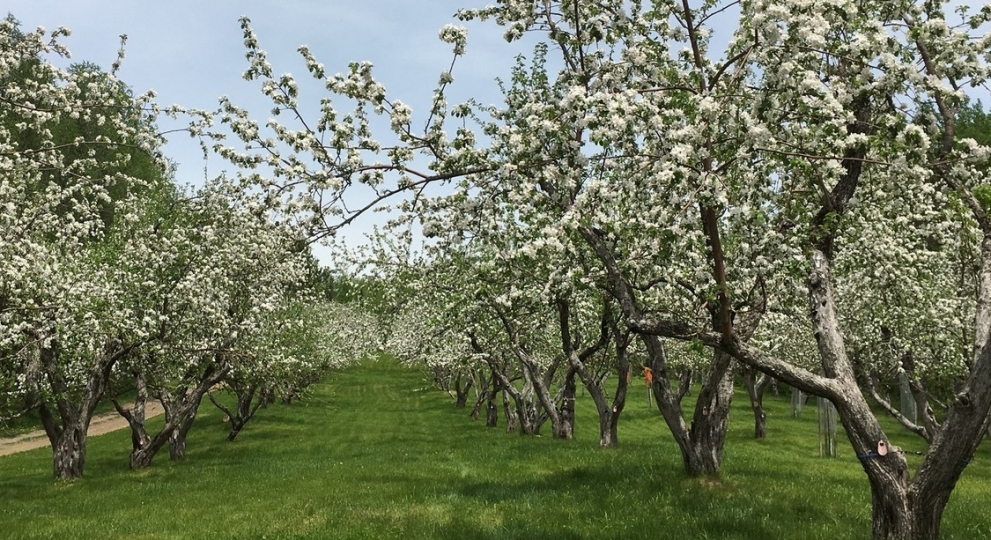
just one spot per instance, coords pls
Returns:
(376, 452)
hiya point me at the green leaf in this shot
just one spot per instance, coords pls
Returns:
(983, 196)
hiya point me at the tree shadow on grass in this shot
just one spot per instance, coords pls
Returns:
(620, 500)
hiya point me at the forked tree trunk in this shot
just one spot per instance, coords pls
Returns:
(67, 431)
(500, 384)
(461, 392)
(521, 415)
(180, 412)
(179, 416)
(135, 417)
(756, 383)
(177, 439)
(903, 509)
(246, 407)
(69, 452)
(136, 421)
(68, 440)
(527, 416)
(608, 413)
(537, 383)
(888, 474)
(139, 460)
(534, 404)
(512, 420)
(577, 367)
(609, 428)
(887, 471)
(701, 444)
(527, 421)
(711, 418)
(483, 395)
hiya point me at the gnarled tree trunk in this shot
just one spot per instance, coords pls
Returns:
(491, 410)
(902, 508)
(482, 391)
(565, 427)
(701, 444)
(135, 416)
(578, 362)
(461, 391)
(512, 419)
(537, 379)
(250, 397)
(180, 411)
(177, 438)
(68, 446)
(74, 408)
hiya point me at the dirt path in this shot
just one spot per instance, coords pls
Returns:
(103, 423)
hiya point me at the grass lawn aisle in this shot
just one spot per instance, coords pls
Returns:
(376, 452)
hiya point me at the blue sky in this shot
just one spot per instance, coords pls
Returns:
(190, 52)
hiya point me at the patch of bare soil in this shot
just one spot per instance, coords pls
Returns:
(103, 423)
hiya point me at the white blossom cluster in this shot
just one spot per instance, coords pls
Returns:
(111, 271)
(310, 170)
(67, 138)
(624, 139)
(797, 198)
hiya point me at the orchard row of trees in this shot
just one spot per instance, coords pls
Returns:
(116, 282)
(808, 199)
